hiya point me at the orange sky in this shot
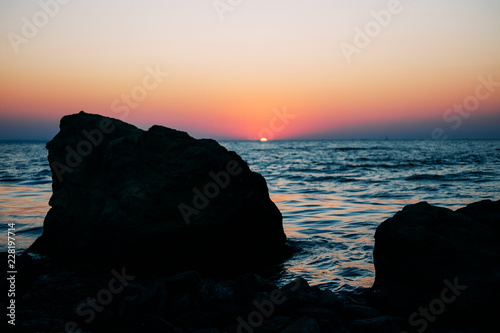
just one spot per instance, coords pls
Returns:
(227, 78)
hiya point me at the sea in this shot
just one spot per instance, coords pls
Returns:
(332, 194)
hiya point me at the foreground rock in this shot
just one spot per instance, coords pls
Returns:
(156, 199)
(436, 266)
(52, 298)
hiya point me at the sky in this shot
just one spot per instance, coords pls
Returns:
(246, 69)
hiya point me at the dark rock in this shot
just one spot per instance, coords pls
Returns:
(303, 325)
(180, 302)
(299, 293)
(246, 286)
(319, 314)
(122, 195)
(216, 295)
(42, 324)
(153, 299)
(129, 307)
(328, 326)
(355, 311)
(203, 318)
(275, 324)
(185, 302)
(383, 324)
(441, 261)
(485, 211)
(184, 281)
(207, 330)
(342, 330)
(153, 324)
(329, 299)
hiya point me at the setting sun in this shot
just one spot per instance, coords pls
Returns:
(263, 139)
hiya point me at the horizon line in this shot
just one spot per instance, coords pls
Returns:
(282, 140)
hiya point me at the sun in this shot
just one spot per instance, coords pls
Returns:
(263, 139)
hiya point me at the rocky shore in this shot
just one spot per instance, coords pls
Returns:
(154, 231)
(54, 297)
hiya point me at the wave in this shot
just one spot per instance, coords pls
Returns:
(349, 149)
(9, 179)
(33, 230)
(427, 177)
(461, 176)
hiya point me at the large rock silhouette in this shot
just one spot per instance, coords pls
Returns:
(156, 199)
(435, 264)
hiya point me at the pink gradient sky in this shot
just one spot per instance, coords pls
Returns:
(226, 77)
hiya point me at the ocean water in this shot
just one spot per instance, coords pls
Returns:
(333, 194)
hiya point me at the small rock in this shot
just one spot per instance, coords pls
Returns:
(187, 281)
(275, 324)
(246, 287)
(298, 292)
(303, 325)
(354, 311)
(209, 291)
(153, 324)
(180, 301)
(154, 298)
(318, 314)
(383, 324)
(329, 299)
(206, 330)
